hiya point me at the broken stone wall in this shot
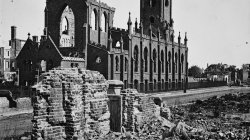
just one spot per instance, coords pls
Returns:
(71, 104)
(137, 107)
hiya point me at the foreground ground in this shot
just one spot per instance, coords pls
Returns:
(220, 117)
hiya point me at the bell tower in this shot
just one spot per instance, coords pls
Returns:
(158, 14)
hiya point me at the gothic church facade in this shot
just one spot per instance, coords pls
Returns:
(80, 33)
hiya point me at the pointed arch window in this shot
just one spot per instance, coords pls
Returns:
(67, 28)
(146, 59)
(94, 19)
(169, 62)
(162, 84)
(176, 63)
(136, 57)
(104, 22)
(162, 61)
(126, 64)
(154, 59)
(117, 65)
(182, 63)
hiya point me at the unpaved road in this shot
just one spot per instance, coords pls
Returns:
(15, 124)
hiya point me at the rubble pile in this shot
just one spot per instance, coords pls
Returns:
(71, 104)
(197, 121)
(216, 118)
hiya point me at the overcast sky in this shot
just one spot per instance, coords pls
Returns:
(217, 29)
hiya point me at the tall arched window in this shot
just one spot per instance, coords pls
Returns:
(117, 65)
(182, 63)
(169, 62)
(176, 63)
(136, 57)
(126, 64)
(104, 22)
(162, 84)
(146, 59)
(67, 28)
(154, 58)
(94, 19)
(162, 61)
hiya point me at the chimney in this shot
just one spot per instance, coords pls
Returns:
(13, 32)
(35, 38)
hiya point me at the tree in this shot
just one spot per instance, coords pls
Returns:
(195, 71)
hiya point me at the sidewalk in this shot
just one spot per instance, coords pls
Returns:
(14, 112)
(173, 97)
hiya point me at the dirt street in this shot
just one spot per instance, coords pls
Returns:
(15, 125)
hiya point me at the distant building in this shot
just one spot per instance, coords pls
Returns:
(8, 54)
(81, 34)
(218, 72)
(219, 77)
(246, 73)
(5, 63)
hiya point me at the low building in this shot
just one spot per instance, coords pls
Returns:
(38, 57)
(219, 77)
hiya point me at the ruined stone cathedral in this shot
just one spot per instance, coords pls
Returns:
(80, 33)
